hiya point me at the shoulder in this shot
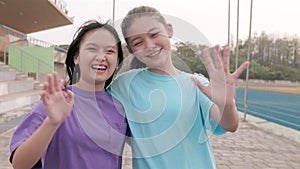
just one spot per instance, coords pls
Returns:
(130, 73)
(202, 79)
(125, 76)
(120, 83)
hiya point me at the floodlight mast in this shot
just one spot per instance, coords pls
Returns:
(248, 59)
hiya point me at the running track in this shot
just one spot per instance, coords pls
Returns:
(283, 109)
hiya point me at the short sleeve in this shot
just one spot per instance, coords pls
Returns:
(28, 126)
(204, 108)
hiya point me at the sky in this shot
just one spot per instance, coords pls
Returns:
(192, 20)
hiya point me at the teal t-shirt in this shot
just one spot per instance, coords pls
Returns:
(168, 117)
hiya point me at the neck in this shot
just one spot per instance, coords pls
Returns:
(165, 71)
(166, 68)
(88, 87)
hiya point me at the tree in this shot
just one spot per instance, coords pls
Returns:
(189, 57)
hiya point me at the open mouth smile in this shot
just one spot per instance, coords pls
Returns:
(155, 53)
(99, 68)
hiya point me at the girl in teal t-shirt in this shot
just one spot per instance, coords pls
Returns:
(170, 111)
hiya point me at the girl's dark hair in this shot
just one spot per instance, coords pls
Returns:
(73, 51)
(134, 13)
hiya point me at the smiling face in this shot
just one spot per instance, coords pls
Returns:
(148, 39)
(97, 58)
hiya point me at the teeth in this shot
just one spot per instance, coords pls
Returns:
(154, 53)
(99, 67)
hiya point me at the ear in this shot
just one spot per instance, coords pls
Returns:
(170, 30)
(76, 59)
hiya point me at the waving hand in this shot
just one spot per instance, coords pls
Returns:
(58, 103)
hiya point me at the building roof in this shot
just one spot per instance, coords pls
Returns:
(33, 15)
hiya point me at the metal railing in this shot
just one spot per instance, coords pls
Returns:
(26, 57)
(21, 37)
(62, 5)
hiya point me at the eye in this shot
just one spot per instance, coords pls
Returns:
(137, 43)
(110, 51)
(91, 49)
(154, 35)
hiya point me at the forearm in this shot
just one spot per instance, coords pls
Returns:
(226, 115)
(28, 153)
(230, 118)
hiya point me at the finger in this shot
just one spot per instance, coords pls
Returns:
(46, 87)
(199, 84)
(42, 94)
(56, 82)
(62, 83)
(207, 60)
(240, 70)
(70, 96)
(44, 97)
(226, 59)
(50, 84)
(199, 74)
(218, 57)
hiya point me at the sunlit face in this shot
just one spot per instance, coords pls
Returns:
(148, 40)
(98, 58)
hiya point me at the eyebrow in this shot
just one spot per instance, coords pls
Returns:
(90, 44)
(106, 47)
(153, 29)
(111, 47)
(149, 31)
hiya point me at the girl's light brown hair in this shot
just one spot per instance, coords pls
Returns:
(139, 12)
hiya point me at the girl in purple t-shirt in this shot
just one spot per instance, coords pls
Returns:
(81, 126)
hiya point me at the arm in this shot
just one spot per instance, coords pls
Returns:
(58, 105)
(221, 89)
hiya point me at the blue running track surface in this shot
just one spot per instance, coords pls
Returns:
(283, 109)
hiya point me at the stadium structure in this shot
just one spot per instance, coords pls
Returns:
(22, 52)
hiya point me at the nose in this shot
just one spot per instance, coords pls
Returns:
(100, 56)
(149, 43)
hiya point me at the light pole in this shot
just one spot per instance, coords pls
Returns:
(237, 36)
(113, 18)
(248, 58)
(228, 38)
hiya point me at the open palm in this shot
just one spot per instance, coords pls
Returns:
(58, 103)
(221, 89)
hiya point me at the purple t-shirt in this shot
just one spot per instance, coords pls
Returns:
(91, 137)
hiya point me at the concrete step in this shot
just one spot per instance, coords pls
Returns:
(15, 114)
(15, 86)
(3, 66)
(7, 75)
(11, 119)
(37, 85)
(16, 100)
(23, 76)
(8, 69)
